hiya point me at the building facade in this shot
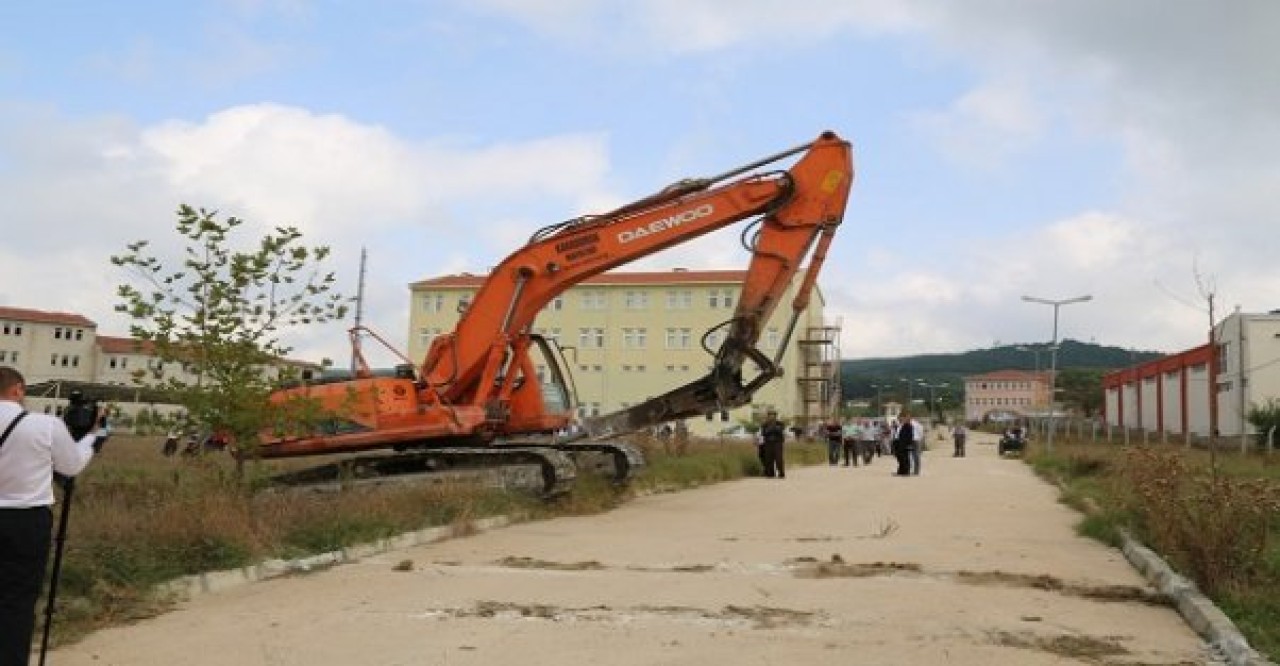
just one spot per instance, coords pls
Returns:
(1006, 395)
(53, 348)
(1212, 386)
(46, 346)
(636, 335)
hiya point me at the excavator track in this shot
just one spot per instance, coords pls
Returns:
(620, 461)
(557, 468)
(627, 459)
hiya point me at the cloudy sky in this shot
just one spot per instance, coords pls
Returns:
(1126, 150)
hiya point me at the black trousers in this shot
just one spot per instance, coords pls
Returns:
(24, 551)
(771, 456)
(833, 451)
(850, 450)
(903, 455)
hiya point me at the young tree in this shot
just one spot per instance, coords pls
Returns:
(1264, 417)
(220, 315)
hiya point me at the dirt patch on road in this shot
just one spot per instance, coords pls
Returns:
(534, 563)
(1085, 648)
(838, 568)
(1120, 593)
(754, 617)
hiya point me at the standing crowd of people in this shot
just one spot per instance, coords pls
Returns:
(856, 442)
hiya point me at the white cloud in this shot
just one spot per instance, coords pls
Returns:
(986, 126)
(343, 183)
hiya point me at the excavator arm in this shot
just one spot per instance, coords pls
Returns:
(799, 210)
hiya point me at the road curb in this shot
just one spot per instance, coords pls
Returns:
(1198, 610)
(217, 581)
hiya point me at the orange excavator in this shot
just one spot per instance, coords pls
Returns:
(493, 392)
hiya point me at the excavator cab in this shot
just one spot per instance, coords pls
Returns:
(558, 393)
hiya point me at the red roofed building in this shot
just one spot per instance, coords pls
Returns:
(45, 345)
(1006, 395)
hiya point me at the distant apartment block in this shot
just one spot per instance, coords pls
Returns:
(1006, 395)
(636, 335)
(1184, 394)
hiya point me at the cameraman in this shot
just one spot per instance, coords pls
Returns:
(32, 448)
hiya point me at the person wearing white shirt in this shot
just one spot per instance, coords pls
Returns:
(32, 448)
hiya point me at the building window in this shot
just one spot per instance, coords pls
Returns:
(720, 298)
(433, 302)
(79, 334)
(591, 338)
(634, 338)
(594, 299)
(427, 335)
(57, 333)
(53, 359)
(679, 299)
(679, 338)
(772, 338)
(556, 303)
(636, 300)
(75, 361)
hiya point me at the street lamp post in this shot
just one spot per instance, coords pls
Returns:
(879, 398)
(932, 406)
(1053, 356)
(909, 382)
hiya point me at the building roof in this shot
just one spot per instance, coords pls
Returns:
(45, 317)
(677, 276)
(1008, 375)
(115, 345)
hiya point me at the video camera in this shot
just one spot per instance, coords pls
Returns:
(81, 416)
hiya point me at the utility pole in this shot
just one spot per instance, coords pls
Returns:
(1244, 436)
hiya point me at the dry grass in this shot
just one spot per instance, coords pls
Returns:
(1214, 516)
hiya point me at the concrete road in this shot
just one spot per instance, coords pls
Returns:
(973, 562)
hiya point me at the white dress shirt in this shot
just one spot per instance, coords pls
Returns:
(35, 449)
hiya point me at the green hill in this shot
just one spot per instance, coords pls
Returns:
(859, 377)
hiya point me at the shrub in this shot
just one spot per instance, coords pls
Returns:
(1216, 528)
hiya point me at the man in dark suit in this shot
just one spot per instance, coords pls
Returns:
(903, 441)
